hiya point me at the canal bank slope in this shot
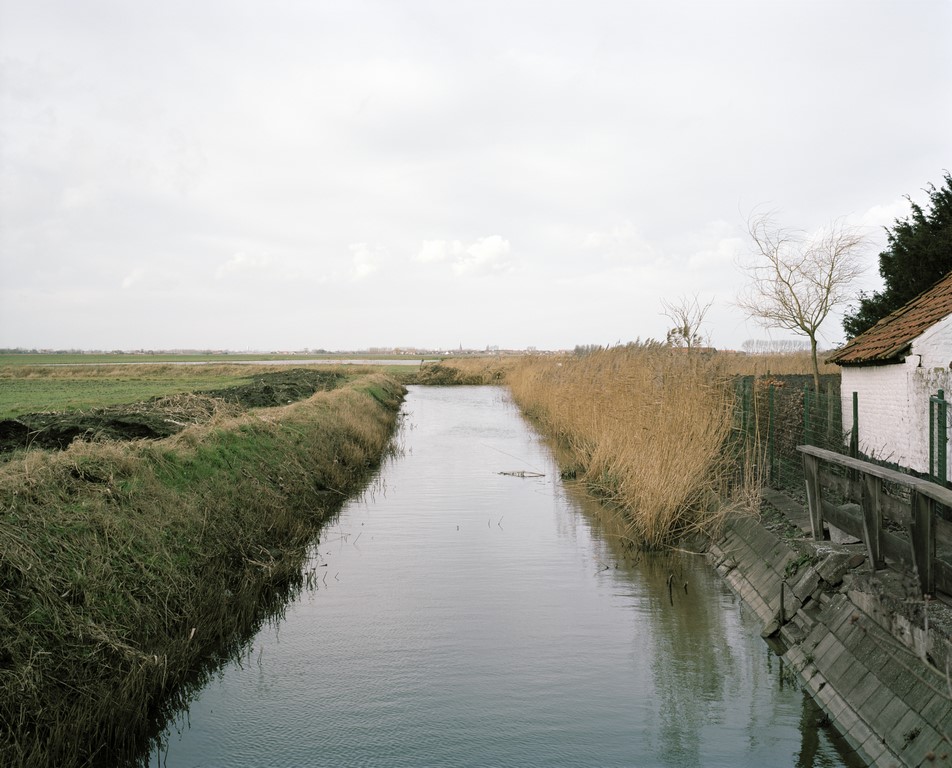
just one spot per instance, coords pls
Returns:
(875, 659)
(129, 569)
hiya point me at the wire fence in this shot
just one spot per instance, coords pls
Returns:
(775, 414)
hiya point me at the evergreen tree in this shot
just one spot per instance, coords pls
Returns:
(918, 256)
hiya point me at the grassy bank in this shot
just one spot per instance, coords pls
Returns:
(126, 566)
(491, 369)
(647, 428)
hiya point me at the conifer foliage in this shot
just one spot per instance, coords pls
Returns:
(918, 256)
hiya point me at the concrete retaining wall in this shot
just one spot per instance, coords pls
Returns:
(867, 655)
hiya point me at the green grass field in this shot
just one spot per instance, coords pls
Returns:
(34, 383)
(34, 389)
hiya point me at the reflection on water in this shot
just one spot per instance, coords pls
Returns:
(462, 617)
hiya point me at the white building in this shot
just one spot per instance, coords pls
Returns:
(895, 367)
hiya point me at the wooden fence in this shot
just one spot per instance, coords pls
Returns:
(926, 546)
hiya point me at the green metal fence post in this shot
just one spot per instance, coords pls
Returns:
(938, 438)
(854, 430)
(932, 472)
(943, 441)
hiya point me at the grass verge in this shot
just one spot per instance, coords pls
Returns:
(127, 567)
(465, 371)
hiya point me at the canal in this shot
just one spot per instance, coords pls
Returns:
(462, 615)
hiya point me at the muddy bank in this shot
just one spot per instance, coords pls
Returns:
(128, 569)
(163, 416)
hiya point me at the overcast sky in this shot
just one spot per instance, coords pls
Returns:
(281, 174)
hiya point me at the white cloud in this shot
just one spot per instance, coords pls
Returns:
(81, 196)
(242, 262)
(366, 260)
(434, 251)
(622, 242)
(484, 256)
(610, 152)
(714, 249)
(488, 255)
(132, 278)
(885, 215)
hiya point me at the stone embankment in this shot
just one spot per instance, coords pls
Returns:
(875, 656)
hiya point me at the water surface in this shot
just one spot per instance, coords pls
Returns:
(462, 617)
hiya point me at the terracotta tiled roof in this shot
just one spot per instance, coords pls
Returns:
(890, 338)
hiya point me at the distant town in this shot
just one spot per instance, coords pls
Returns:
(371, 351)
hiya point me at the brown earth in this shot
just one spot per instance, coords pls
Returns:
(161, 416)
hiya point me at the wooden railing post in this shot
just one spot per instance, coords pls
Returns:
(928, 531)
(922, 530)
(811, 473)
(873, 520)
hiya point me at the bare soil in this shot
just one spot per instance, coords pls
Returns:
(161, 416)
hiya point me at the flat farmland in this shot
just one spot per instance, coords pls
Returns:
(33, 389)
(43, 382)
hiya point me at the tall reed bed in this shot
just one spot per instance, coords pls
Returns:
(777, 364)
(648, 428)
(125, 567)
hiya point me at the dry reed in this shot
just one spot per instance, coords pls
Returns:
(648, 427)
(789, 364)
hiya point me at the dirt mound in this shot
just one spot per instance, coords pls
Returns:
(279, 388)
(163, 416)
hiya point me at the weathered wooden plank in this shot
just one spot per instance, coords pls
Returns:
(811, 474)
(897, 549)
(943, 577)
(932, 491)
(923, 540)
(873, 519)
(891, 507)
(930, 535)
(833, 482)
(847, 517)
(943, 534)
(895, 509)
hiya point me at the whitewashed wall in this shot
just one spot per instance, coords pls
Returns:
(935, 347)
(894, 400)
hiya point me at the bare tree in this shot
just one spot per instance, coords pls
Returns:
(687, 314)
(797, 279)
